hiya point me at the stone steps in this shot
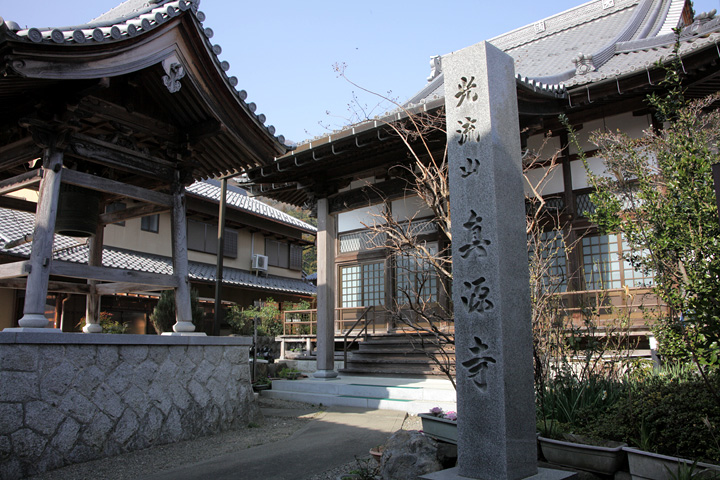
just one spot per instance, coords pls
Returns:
(394, 354)
(412, 395)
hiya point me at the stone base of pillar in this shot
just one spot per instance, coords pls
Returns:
(327, 374)
(543, 474)
(34, 320)
(32, 330)
(185, 334)
(92, 328)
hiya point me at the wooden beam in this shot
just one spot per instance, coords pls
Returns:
(125, 287)
(118, 188)
(129, 213)
(137, 121)
(15, 269)
(121, 158)
(17, 204)
(19, 152)
(106, 274)
(21, 181)
(53, 286)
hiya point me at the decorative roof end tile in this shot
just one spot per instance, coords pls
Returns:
(583, 64)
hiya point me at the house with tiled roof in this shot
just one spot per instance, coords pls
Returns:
(112, 133)
(595, 64)
(255, 232)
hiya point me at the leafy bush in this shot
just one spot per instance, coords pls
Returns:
(241, 319)
(107, 323)
(672, 413)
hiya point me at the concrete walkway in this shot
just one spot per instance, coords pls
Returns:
(335, 437)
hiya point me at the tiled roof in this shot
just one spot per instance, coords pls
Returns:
(15, 224)
(602, 39)
(238, 198)
(131, 19)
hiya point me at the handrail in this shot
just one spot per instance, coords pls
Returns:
(364, 329)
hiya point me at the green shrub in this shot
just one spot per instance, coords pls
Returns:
(240, 323)
(241, 319)
(671, 413)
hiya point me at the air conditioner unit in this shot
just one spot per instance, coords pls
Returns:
(259, 263)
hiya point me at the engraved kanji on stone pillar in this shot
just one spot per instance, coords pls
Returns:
(491, 296)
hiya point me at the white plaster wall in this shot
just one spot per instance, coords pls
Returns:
(354, 219)
(410, 207)
(552, 184)
(626, 122)
(579, 175)
(545, 147)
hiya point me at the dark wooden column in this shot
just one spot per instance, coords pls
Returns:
(42, 245)
(92, 302)
(326, 237)
(180, 262)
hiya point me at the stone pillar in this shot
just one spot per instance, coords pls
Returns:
(326, 237)
(42, 245)
(491, 294)
(180, 263)
(92, 301)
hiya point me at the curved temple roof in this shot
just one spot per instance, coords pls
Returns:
(141, 35)
(601, 39)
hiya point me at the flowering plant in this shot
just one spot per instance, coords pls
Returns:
(438, 412)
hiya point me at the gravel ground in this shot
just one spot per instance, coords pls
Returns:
(163, 457)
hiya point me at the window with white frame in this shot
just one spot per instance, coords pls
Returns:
(605, 267)
(362, 285)
(548, 260)
(415, 277)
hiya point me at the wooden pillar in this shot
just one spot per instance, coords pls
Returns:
(326, 237)
(220, 257)
(42, 245)
(92, 300)
(180, 263)
(574, 265)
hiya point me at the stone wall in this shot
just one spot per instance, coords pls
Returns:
(68, 398)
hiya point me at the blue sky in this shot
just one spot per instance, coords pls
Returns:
(283, 52)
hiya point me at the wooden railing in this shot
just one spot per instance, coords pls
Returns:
(638, 305)
(300, 322)
(364, 320)
(635, 307)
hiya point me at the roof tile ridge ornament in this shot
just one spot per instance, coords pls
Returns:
(175, 72)
(583, 64)
(435, 67)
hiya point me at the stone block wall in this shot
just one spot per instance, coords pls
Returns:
(68, 398)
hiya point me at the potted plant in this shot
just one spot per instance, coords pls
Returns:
(599, 456)
(440, 425)
(645, 465)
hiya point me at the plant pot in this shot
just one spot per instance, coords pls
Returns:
(654, 466)
(439, 428)
(604, 460)
(262, 386)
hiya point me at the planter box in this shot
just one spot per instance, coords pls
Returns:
(605, 460)
(439, 428)
(653, 466)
